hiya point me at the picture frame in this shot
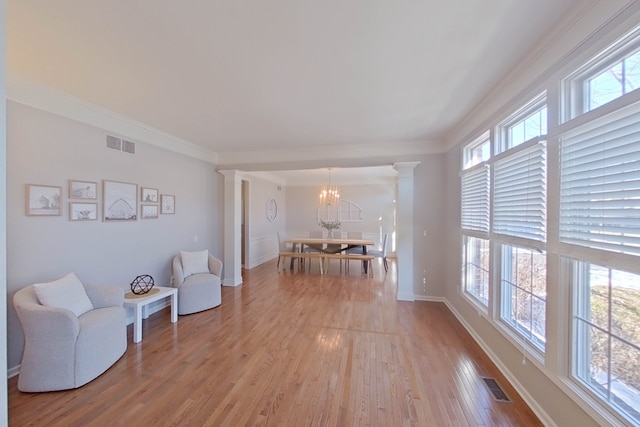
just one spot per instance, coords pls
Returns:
(120, 201)
(83, 190)
(83, 211)
(149, 211)
(167, 204)
(149, 195)
(43, 200)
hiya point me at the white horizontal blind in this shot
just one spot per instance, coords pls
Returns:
(520, 194)
(600, 186)
(475, 199)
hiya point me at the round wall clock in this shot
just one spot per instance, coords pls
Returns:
(272, 209)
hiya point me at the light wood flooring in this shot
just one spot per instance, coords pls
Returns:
(291, 349)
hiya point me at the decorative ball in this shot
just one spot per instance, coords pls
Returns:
(142, 284)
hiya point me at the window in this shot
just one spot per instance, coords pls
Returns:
(606, 352)
(520, 200)
(599, 217)
(600, 184)
(519, 221)
(599, 213)
(523, 293)
(476, 268)
(607, 77)
(527, 123)
(344, 211)
(475, 199)
(612, 83)
(477, 152)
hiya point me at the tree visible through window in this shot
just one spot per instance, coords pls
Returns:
(614, 82)
(524, 292)
(476, 268)
(607, 328)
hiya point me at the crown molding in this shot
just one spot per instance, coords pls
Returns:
(391, 151)
(32, 94)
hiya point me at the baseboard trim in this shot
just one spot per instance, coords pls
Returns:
(522, 391)
(429, 298)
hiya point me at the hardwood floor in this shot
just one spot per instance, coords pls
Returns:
(291, 349)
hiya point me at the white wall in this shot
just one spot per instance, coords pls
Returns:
(263, 238)
(376, 201)
(429, 215)
(44, 148)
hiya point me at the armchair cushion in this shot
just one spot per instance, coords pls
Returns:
(195, 262)
(66, 292)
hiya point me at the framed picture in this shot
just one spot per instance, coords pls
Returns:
(120, 201)
(43, 200)
(83, 190)
(149, 211)
(167, 204)
(80, 211)
(149, 195)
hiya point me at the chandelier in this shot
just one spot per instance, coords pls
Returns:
(329, 194)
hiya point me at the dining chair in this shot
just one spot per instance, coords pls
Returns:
(357, 250)
(314, 248)
(283, 246)
(382, 253)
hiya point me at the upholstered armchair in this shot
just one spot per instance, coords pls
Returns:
(197, 277)
(72, 333)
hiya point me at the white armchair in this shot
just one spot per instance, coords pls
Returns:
(63, 350)
(197, 277)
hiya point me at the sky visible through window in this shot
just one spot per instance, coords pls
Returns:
(614, 82)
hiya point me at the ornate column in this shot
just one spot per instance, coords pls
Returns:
(232, 227)
(404, 229)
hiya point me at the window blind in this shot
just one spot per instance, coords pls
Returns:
(600, 186)
(520, 193)
(475, 199)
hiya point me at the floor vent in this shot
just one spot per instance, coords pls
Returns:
(495, 389)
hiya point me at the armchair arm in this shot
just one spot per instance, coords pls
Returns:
(102, 296)
(48, 323)
(178, 272)
(215, 266)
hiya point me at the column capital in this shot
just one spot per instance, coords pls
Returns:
(232, 173)
(405, 168)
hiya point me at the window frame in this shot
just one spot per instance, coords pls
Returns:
(579, 365)
(469, 149)
(537, 346)
(503, 142)
(574, 98)
(476, 299)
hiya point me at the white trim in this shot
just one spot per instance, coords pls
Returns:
(316, 157)
(44, 98)
(429, 298)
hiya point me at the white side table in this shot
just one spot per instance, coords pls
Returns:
(139, 303)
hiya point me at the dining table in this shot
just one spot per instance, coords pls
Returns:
(330, 245)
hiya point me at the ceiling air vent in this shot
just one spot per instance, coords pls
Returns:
(128, 147)
(114, 143)
(121, 144)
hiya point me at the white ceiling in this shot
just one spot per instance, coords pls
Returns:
(244, 77)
